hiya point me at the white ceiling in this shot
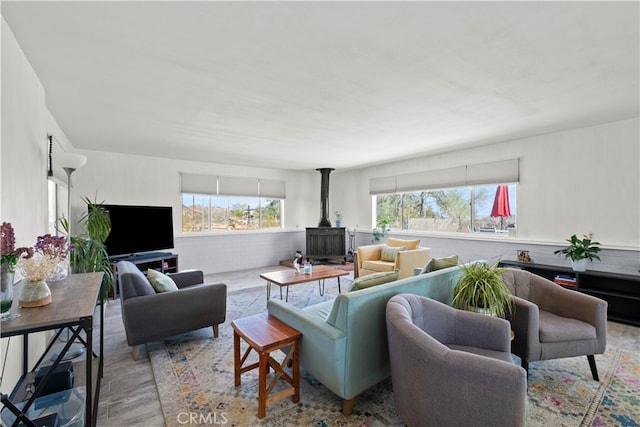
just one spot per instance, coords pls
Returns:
(302, 85)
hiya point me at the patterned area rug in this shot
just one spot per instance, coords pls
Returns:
(194, 377)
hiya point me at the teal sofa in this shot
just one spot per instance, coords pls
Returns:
(344, 341)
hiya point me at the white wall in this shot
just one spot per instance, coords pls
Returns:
(578, 181)
(574, 182)
(126, 179)
(23, 147)
(147, 180)
(493, 249)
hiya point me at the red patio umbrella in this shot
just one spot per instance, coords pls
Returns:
(501, 207)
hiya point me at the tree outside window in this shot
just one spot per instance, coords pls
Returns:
(454, 210)
(206, 213)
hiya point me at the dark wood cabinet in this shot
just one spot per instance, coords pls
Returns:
(326, 242)
(621, 291)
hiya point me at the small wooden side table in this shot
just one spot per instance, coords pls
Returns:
(264, 334)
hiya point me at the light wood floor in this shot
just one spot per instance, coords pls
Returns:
(128, 395)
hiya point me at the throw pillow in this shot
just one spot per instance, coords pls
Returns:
(440, 263)
(161, 282)
(410, 244)
(374, 279)
(389, 252)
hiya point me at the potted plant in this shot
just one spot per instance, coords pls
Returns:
(90, 254)
(382, 228)
(481, 289)
(580, 251)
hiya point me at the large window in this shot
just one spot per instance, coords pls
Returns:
(487, 208)
(57, 205)
(220, 202)
(206, 213)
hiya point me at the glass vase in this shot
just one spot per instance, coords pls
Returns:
(6, 293)
(35, 294)
(62, 270)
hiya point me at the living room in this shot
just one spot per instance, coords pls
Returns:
(578, 163)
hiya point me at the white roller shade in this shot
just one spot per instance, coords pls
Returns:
(500, 172)
(198, 184)
(439, 178)
(383, 185)
(272, 188)
(237, 186)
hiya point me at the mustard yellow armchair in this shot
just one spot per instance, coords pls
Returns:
(395, 254)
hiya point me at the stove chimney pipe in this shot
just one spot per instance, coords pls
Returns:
(324, 197)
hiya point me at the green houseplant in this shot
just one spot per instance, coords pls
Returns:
(481, 289)
(580, 251)
(382, 228)
(90, 254)
(338, 219)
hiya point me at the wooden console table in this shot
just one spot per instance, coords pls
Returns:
(73, 304)
(621, 291)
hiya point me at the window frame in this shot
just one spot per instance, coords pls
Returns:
(473, 229)
(261, 203)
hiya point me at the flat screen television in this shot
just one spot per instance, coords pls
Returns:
(139, 229)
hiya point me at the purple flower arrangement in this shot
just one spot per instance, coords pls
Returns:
(37, 263)
(8, 254)
(40, 262)
(49, 246)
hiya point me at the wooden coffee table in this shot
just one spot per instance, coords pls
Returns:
(291, 277)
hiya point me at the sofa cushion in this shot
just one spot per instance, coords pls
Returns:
(554, 328)
(389, 252)
(440, 263)
(374, 279)
(161, 282)
(377, 265)
(410, 244)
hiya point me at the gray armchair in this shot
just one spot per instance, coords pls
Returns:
(552, 322)
(451, 367)
(148, 316)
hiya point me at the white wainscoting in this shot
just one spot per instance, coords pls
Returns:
(238, 250)
(624, 261)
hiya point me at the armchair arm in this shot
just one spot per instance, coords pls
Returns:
(187, 278)
(407, 260)
(504, 389)
(365, 253)
(525, 323)
(369, 252)
(568, 303)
